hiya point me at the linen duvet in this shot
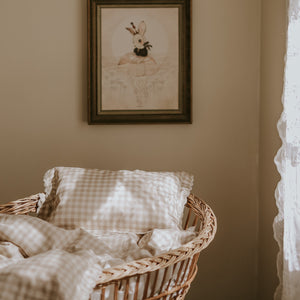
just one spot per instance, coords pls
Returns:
(41, 261)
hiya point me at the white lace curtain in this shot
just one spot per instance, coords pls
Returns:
(287, 222)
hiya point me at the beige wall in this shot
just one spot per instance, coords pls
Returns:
(273, 35)
(43, 122)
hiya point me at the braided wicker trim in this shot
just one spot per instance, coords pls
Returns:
(141, 266)
(21, 206)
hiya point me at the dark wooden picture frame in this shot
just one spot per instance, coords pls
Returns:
(139, 61)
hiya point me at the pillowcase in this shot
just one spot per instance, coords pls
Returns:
(122, 201)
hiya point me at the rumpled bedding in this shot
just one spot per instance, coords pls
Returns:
(41, 261)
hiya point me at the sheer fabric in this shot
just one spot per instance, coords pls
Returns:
(287, 222)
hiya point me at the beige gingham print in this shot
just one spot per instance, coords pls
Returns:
(65, 264)
(50, 267)
(55, 274)
(122, 201)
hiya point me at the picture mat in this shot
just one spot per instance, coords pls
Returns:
(123, 89)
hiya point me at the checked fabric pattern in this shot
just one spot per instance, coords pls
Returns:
(121, 201)
(40, 261)
(53, 275)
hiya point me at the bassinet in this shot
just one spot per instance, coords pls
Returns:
(166, 276)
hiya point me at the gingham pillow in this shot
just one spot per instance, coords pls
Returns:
(122, 201)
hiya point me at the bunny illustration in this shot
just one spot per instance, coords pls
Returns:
(141, 62)
(139, 41)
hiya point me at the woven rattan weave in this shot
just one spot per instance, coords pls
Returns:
(181, 262)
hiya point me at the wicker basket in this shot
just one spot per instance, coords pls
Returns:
(166, 276)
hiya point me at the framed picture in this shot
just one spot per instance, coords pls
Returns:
(139, 61)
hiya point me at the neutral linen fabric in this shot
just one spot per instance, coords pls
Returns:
(53, 275)
(53, 268)
(39, 261)
(287, 222)
(122, 201)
